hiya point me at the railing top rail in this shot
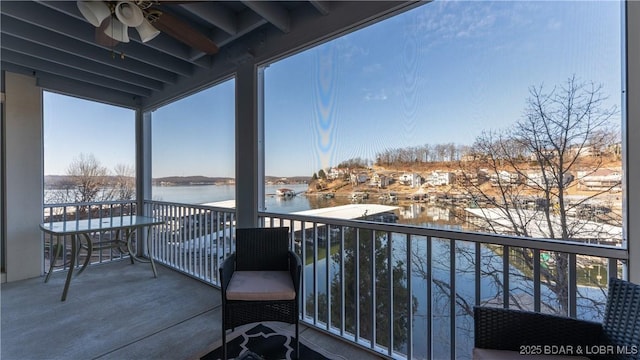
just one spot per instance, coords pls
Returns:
(110, 202)
(195, 206)
(597, 250)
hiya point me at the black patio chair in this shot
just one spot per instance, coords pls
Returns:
(260, 281)
(617, 337)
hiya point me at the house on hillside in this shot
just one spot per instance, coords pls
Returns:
(440, 178)
(469, 157)
(600, 180)
(360, 178)
(465, 178)
(336, 173)
(504, 177)
(412, 179)
(585, 151)
(380, 181)
(535, 178)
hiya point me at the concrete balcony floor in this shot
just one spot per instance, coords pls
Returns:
(119, 311)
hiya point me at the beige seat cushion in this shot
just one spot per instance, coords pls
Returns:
(261, 285)
(492, 354)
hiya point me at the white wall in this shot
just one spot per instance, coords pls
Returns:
(23, 177)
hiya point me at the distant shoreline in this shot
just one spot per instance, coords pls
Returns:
(62, 182)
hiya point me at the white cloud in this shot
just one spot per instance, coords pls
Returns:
(348, 51)
(441, 20)
(379, 95)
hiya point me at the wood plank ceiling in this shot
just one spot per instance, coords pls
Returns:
(52, 41)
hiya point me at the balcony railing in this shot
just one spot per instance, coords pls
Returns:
(402, 291)
(194, 239)
(422, 283)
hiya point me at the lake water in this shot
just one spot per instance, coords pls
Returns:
(211, 193)
(420, 214)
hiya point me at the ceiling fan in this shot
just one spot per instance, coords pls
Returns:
(113, 19)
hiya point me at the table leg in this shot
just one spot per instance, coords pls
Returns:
(149, 250)
(53, 258)
(134, 256)
(89, 251)
(74, 246)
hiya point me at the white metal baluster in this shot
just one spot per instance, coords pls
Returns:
(328, 273)
(505, 276)
(390, 289)
(409, 297)
(342, 288)
(315, 273)
(573, 285)
(357, 284)
(373, 289)
(429, 297)
(536, 281)
(452, 292)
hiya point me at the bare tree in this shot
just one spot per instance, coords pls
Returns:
(451, 154)
(124, 186)
(89, 178)
(425, 150)
(532, 166)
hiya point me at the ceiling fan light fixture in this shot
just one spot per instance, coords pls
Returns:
(94, 11)
(146, 31)
(129, 13)
(117, 30)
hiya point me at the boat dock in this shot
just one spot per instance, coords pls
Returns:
(345, 212)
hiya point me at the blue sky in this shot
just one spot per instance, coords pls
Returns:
(440, 73)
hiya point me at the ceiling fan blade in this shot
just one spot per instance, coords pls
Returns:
(178, 29)
(102, 38)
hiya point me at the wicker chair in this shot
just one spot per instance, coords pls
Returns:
(260, 281)
(527, 332)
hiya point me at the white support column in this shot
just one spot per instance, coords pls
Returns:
(247, 147)
(23, 177)
(260, 104)
(143, 168)
(143, 159)
(632, 133)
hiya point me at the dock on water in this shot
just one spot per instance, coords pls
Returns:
(343, 212)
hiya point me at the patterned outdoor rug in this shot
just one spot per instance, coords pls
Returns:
(261, 342)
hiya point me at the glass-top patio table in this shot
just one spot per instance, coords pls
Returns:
(122, 225)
